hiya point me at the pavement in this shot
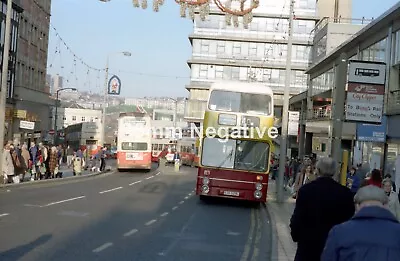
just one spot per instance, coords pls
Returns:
(66, 177)
(130, 216)
(283, 248)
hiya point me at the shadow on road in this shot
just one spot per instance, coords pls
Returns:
(228, 202)
(20, 251)
(154, 167)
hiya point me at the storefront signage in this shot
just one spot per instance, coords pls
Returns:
(372, 132)
(293, 126)
(27, 125)
(365, 93)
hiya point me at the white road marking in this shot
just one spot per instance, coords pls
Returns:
(182, 202)
(32, 205)
(130, 233)
(150, 177)
(102, 247)
(186, 197)
(136, 182)
(151, 222)
(105, 191)
(158, 173)
(174, 207)
(4, 214)
(62, 201)
(164, 214)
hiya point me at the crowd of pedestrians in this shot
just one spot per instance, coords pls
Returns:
(332, 222)
(42, 161)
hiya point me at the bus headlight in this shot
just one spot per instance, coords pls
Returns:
(259, 186)
(206, 181)
(257, 194)
(205, 189)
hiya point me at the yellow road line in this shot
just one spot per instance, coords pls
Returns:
(248, 244)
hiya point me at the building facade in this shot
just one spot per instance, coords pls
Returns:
(31, 93)
(157, 103)
(222, 52)
(73, 114)
(15, 20)
(377, 144)
(58, 83)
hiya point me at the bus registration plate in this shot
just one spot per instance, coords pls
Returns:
(231, 193)
(134, 156)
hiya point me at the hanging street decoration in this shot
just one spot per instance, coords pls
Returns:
(114, 85)
(233, 9)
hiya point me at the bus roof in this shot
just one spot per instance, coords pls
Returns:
(246, 87)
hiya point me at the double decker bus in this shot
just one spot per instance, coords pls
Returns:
(134, 141)
(234, 163)
(186, 149)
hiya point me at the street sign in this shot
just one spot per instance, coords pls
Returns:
(293, 126)
(372, 132)
(367, 72)
(365, 92)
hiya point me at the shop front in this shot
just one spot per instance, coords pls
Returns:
(370, 145)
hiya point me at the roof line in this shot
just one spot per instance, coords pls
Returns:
(354, 38)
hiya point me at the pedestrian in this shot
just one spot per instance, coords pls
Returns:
(53, 162)
(373, 234)
(304, 177)
(26, 156)
(8, 165)
(102, 155)
(375, 178)
(77, 165)
(320, 205)
(70, 155)
(353, 181)
(393, 204)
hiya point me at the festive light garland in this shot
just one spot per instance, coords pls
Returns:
(203, 6)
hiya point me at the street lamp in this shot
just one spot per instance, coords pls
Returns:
(56, 112)
(232, 14)
(103, 121)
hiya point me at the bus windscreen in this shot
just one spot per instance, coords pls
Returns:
(235, 154)
(249, 103)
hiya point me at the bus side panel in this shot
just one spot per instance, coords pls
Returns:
(144, 161)
(231, 184)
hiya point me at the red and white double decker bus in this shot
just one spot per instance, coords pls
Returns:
(160, 148)
(187, 151)
(232, 165)
(134, 141)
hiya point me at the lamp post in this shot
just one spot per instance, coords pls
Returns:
(103, 120)
(4, 85)
(56, 112)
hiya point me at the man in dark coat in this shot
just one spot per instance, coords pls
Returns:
(372, 234)
(320, 205)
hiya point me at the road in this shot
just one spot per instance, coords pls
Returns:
(129, 216)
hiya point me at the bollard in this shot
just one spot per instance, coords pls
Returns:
(345, 163)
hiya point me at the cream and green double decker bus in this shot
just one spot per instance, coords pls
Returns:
(236, 141)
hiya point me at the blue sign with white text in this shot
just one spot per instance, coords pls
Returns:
(372, 132)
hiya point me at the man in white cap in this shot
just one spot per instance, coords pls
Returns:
(372, 234)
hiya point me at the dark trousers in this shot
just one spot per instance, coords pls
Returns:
(102, 164)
